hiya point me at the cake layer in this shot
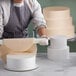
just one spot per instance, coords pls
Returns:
(59, 23)
(68, 32)
(20, 62)
(58, 42)
(62, 27)
(56, 12)
(58, 54)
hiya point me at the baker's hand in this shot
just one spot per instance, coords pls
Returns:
(42, 31)
(43, 41)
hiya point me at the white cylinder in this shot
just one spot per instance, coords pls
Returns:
(58, 55)
(21, 62)
(58, 42)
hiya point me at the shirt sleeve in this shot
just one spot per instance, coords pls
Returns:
(38, 18)
(1, 22)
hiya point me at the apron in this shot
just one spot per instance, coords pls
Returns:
(19, 20)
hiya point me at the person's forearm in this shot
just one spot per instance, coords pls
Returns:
(42, 32)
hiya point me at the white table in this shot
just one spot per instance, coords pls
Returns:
(46, 68)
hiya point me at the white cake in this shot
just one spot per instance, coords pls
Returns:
(58, 50)
(58, 55)
(58, 42)
(59, 21)
(20, 62)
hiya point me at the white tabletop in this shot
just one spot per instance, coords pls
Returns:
(46, 68)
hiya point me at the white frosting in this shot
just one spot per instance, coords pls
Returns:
(58, 54)
(58, 42)
(21, 62)
(58, 50)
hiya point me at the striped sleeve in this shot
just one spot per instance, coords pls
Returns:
(1, 22)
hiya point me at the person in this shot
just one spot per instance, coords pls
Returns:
(15, 16)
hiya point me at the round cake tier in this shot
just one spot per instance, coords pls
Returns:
(59, 23)
(5, 52)
(62, 27)
(21, 62)
(58, 54)
(56, 12)
(58, 42)
(68, 32)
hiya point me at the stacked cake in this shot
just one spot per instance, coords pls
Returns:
(58, 51)
(59, 21)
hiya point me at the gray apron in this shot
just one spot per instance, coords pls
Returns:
(19, 20)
